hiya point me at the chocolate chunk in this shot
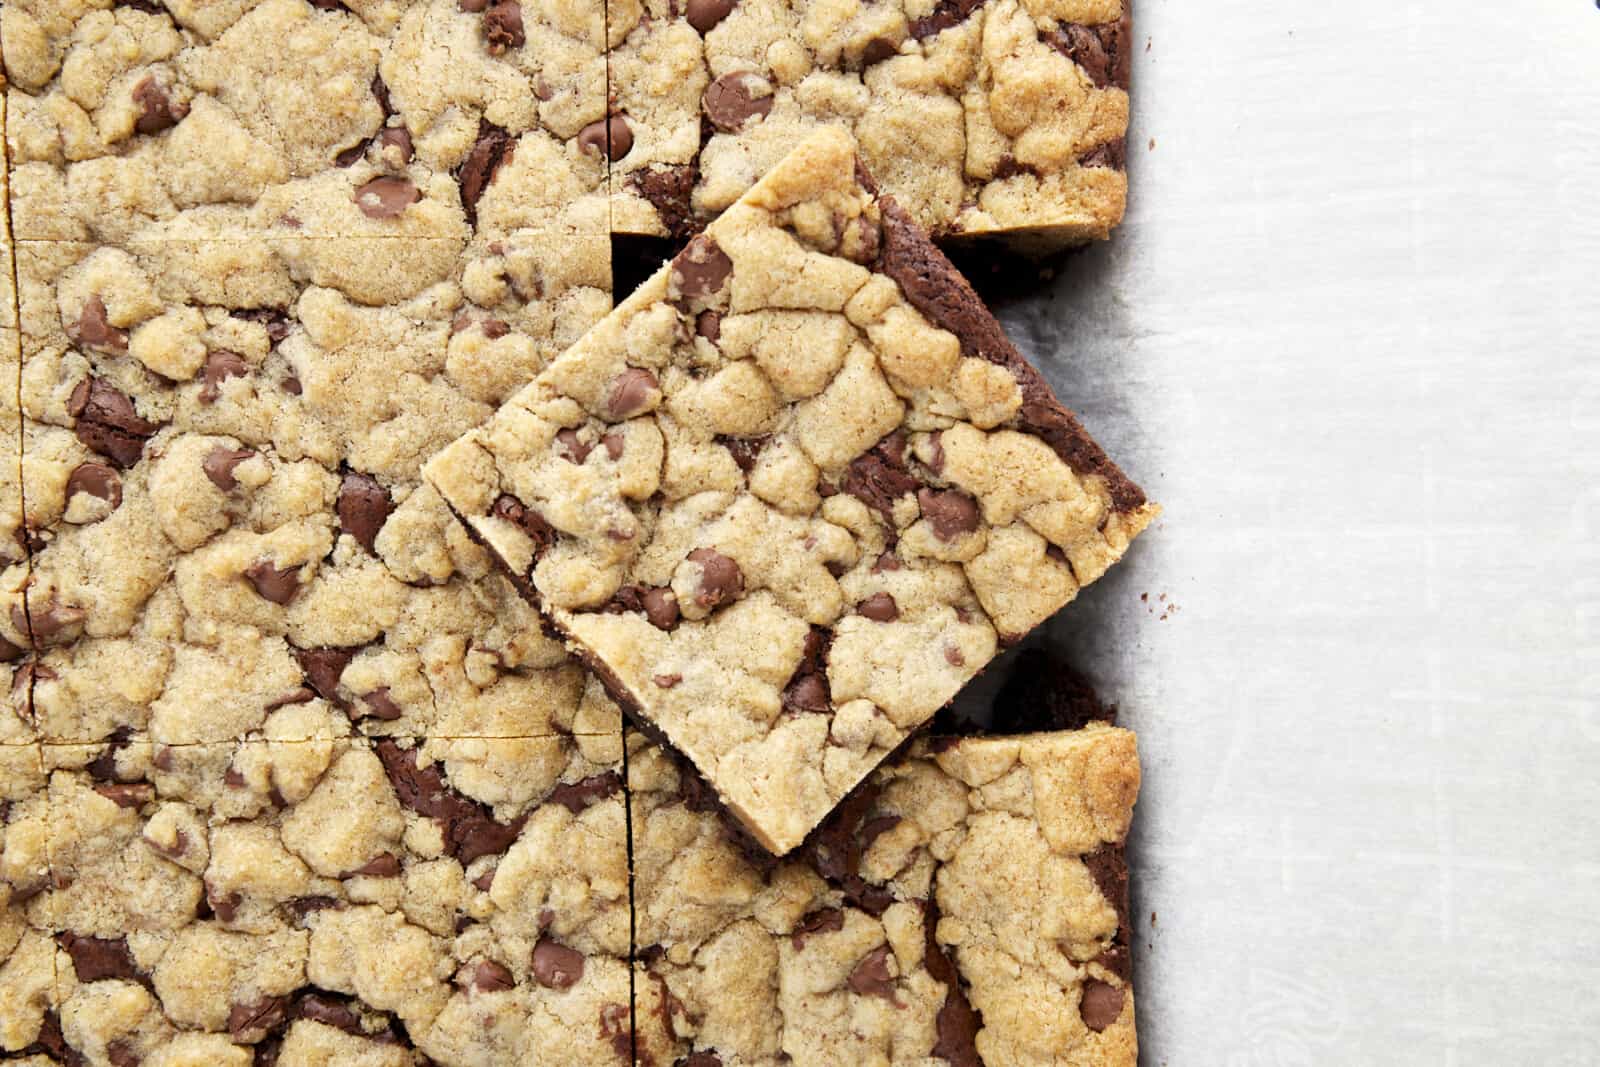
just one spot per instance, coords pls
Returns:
(220, 365)
(721, 580)
(631, 392)
(934, 287)
(661, 607)
(1113, 154)
(250, 1022)
(502, 27)
(94, 958)
(50, 623)
(386, 198)
(220, 463)
(881, 476)
(958, 1022)
(157, 112)
(469, 830)
(278, 586)
(94, 330)
(383, 865)
(97, 480)
(127, 794)
(108, 423)
(324, 1009)
(670, 190)
(580, 795)
(397, 137)
(699, 272)
(322, 667)
(708, 324)
(573, 447)
(734, 99)
(556, 966)
(611, 137)
(493, 149)
(871, 976)
(828, 920)
(530, 522)
(951, 512)
(380, 705)
(879, 607)
(704, 15)
(945, 14)
(364, 506)
(1101, 1004)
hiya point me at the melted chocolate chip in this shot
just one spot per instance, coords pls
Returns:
(94, 330)
(383, 865)
(945, 14)
(879, 607)
(828, 920)
(108, 423)
(398, 138)
(493, 149)
(49, 623)
(745, 450)
(322, 1008)
(220, 464)
(951, 513)
(379, 705)
(386, 198)
(610, 137)
(364, 506)
(667, 681)
(957, 1023)
(631, 392)
(721, 580)
(871, 976)
(94, 958)
(555, 966)
(220, 365)
(468, 828)
(660, 607)
(278, 586)
(573, 448)
(132, 795)
(530, 522)
(1113, 154)
(322, 667)
(502, 27)
(700, 1059)
(699, 272)
(252, 1021)
(1101, 1004)
(1100, 50)
(489, 976)
(157, 112)
(97, 480)
(881, 476)
(704, 15)
(708, 324)
(670, 190)
(808, 687)
(734, 99)
(614, 444)
(580, 795)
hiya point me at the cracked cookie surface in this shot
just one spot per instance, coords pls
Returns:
(794, 492)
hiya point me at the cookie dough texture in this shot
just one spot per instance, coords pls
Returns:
(327, 900)
(794, 492)
(967, 906)
(980, 116)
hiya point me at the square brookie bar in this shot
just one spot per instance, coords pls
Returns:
(794, 492)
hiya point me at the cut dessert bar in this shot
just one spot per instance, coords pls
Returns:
(967, 905)
(794, 492)
(338, 901)
(980, 116)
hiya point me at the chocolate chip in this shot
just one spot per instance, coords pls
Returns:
(572, 446)
(958, 1022)
(95, 330)
(734, 99)
(179, 846)
(472, 7)
(670, 190)
(611, 137)
(951, 512)
(291, 385)
(220, 463)
(616, 1027)
(250, 1022)
(704, 15)
(322, 667)
(278, 586)
(469, 830)
(699, 272)
(666, 681)
(127, 794)
(578, 796)
(1101, 1004)
(953, 656)
(220, 365)
(502, 27)
(945, 14)
(300, 907)
(50, 623)
(380, 705)
(157, 112)
(721, 580)
(485, 881)
(631, 392)
(888, 561)
(556, 966)
(94, 958)
(661, 607)
(385, 198)
(862, 241)
(1112, 154)
(121, 1053)
(530, 522)
(1098, 50)
(10, 653)
(745, 450)
(97, 480)
(493, 149)
(807, 690)
(364, 506)
(614, 444)
(708, 324)
(936, 453)
(879, 607)
(383, 865)
(397, 137)
(880, 476)
(700, 1059)
(877, 50)
(871, 976)
(321, 1008)
(108, 423)
(828, 920)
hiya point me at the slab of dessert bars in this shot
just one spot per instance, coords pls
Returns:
(297, 767)
(794, 492)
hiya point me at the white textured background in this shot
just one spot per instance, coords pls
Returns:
(1350, 337)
